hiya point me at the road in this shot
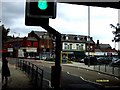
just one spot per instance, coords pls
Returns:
(77, 78)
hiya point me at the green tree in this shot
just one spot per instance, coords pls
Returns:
(116, 32)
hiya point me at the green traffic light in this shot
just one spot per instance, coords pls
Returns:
(42, 4)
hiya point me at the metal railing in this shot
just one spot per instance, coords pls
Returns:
(33, 71)
(108, 69)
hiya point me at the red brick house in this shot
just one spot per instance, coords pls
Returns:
(36, 44)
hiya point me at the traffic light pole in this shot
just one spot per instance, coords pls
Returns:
(56, 70)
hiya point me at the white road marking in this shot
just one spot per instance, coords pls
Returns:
(48, 82)
(77, 76)
(68, 72)
(85, 79)
(82, 78)
(116, 78)
(99, 73)
(87, 70)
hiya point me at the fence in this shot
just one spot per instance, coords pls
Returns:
(34, 72)
(108, 69)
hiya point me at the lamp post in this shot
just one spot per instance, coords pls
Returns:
(88, 36)
(17, 47)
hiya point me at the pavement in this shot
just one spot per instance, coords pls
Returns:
(18, 80)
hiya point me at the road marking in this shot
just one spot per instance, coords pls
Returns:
(116, 78)
(87, 70)
(99, 73)
(48, 82)
(68, 72)
(82, 78)
(86, 79)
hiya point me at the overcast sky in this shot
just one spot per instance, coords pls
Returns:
(71, 19)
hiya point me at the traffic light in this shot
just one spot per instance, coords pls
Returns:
(41, 8)
(38, 12)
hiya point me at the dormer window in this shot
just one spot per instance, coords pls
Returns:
(75, 38)
(66, 37)
(81, 38)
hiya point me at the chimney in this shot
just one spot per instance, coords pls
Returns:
(97, 42)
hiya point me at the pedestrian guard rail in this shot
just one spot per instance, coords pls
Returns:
(33, 71)
(108, 69)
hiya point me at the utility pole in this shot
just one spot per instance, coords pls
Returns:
(88, 36)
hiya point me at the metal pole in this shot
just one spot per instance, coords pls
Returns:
(56, 70)
(88, 36)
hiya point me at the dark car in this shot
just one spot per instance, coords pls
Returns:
(104, 60)
(115, 63)
(92, 60)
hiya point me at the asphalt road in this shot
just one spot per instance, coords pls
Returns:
(73, 78)
(77, 76)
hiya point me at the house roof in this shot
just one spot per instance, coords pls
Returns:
(42, 34)
(104, 48)
(98, 50)
(31, 39)
(64, 37)
(104, 45)
(75, 38)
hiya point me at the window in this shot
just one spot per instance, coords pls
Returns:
(66, 37)
(65, 46)
(77, 46)
(70, 46)
(35, 44)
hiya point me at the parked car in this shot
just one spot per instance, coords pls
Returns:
(115, 58)
(44, 57)
(82, 61)
(93, 60)
(104, 60)
(115, 63)
(37, 57)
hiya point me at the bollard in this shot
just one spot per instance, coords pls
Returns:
(99, 67)
(112, 70)
(36, 77)
(105, 68)
(55, 77)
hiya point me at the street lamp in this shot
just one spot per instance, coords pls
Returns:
(17, 46)
(88, 36)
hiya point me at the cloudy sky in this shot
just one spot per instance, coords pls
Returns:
(71, 19)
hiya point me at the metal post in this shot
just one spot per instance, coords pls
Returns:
(99, 67)
(88, 36)
(36, 77)
(105, 67)
(57, 68)
(112, 70)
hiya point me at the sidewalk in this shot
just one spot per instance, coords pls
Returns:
(18, 80)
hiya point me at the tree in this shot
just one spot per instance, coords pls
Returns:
(4, 34)
(116, 32)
